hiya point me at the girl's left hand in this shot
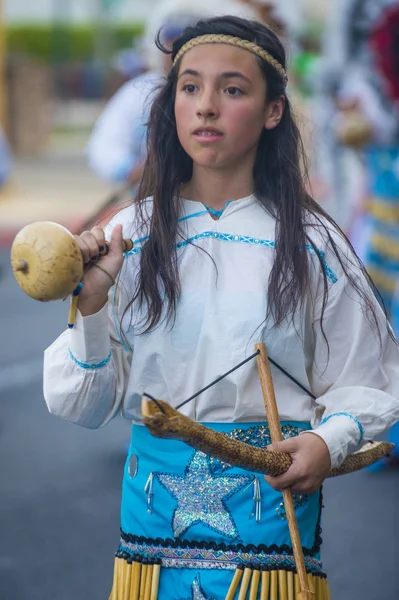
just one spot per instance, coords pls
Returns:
(311, 463)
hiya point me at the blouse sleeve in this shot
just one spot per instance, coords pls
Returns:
(86, 371)
(356, 376)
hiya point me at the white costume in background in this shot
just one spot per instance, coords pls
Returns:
(91, 374)
(118, 141)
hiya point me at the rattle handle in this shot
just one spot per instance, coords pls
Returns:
(127, 246)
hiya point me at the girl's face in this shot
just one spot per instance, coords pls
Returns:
(220, 106)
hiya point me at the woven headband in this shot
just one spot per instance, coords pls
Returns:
(233, 41)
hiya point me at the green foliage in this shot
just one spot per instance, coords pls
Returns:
(61, 41)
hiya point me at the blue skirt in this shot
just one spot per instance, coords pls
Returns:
(190, 523)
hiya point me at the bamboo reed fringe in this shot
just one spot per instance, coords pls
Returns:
(120, 575)
(128, 579)
(245, 583)
(156, 573)
(136, 576)
(143, 578)
(123, 578)
(138, 579)
(290, 585)
(282, 585)
(311, 583)
(265, 584)
(297, 584)
(273, 585)
(114, 590)
(253, 593)
(148, 582)
(318, 584)
(235, 583)
(327, 590)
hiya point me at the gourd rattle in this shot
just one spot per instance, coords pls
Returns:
(47, 263)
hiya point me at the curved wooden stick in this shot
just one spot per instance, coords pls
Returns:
(172, 424)
(163, 421)
(276, 435)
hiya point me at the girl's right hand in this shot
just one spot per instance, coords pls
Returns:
(96, 282)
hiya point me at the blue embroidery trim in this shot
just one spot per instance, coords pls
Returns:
(243, 239)
(143, 239)
(197, 214)
(345, 414)
(217, 213)
(90, 366)
(146, 237)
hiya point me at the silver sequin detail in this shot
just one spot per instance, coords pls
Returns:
(201, 497)
(196, 591)
(298, 500)
(257, 435)
(133, 465)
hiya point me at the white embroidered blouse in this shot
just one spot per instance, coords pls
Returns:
(93, 373)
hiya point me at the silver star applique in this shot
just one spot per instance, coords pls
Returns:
(196, 591)
(201, 496)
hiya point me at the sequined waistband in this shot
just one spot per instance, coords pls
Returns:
(193, 557)
(254, 434)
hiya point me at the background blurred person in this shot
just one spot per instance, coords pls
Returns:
(351, 105)
(117, 147)
(368, 100)
(5, 159)
(369, 118)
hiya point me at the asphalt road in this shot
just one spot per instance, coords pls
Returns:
(60, 487)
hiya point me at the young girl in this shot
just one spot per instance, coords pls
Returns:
(229, 250)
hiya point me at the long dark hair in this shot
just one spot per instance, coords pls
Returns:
(280, 177)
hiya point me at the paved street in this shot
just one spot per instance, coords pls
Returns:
(60, 492)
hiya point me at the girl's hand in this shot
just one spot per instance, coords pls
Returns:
(97, 283)
(311, 463)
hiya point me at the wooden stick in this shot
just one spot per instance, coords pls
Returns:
(234, 584)
(269, 399)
